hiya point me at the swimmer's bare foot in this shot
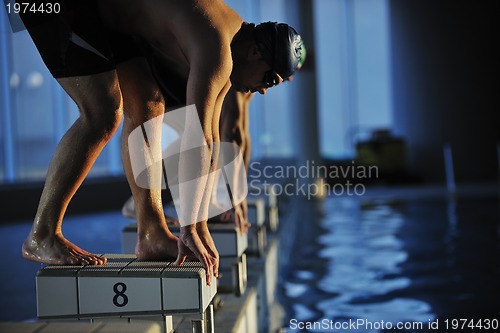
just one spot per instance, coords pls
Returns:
(223, 217)
(57, 250)
(241, 219)
(236, 216)
(156, 243)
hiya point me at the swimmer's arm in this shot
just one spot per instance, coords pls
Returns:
(230, 120)
(207, 83)
(245, 128)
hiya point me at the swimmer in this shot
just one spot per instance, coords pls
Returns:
(234, 128)
(93, 50)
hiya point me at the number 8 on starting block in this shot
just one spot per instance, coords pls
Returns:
(123, 286)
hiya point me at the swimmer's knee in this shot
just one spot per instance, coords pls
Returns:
(99, 100)
(144, 104)
(104, 116)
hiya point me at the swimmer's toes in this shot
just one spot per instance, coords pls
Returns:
(99, 261)
(75, 261)
(77, 258)
(93, 259)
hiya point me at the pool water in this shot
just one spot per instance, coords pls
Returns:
(416, 261)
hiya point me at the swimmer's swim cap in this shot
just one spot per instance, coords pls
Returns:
(280, 46)
(302, 59)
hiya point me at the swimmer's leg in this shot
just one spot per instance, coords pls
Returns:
(143, 101)
(99, 100)
(128, 210)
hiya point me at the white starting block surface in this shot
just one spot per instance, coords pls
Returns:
(269, 197)
(256, 211)
(123, 287)
(230, 243)
(257, 236)
(228, 239)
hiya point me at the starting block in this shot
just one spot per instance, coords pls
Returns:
(227, 238)
(269, 193)
(257, 237)
(230, 243)
(124, 287)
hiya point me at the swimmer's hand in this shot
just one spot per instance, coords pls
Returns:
(196, 239)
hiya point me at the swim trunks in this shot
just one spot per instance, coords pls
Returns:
(75, 42)
(172, 85)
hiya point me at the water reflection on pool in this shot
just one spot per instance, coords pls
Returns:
(396, 261)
